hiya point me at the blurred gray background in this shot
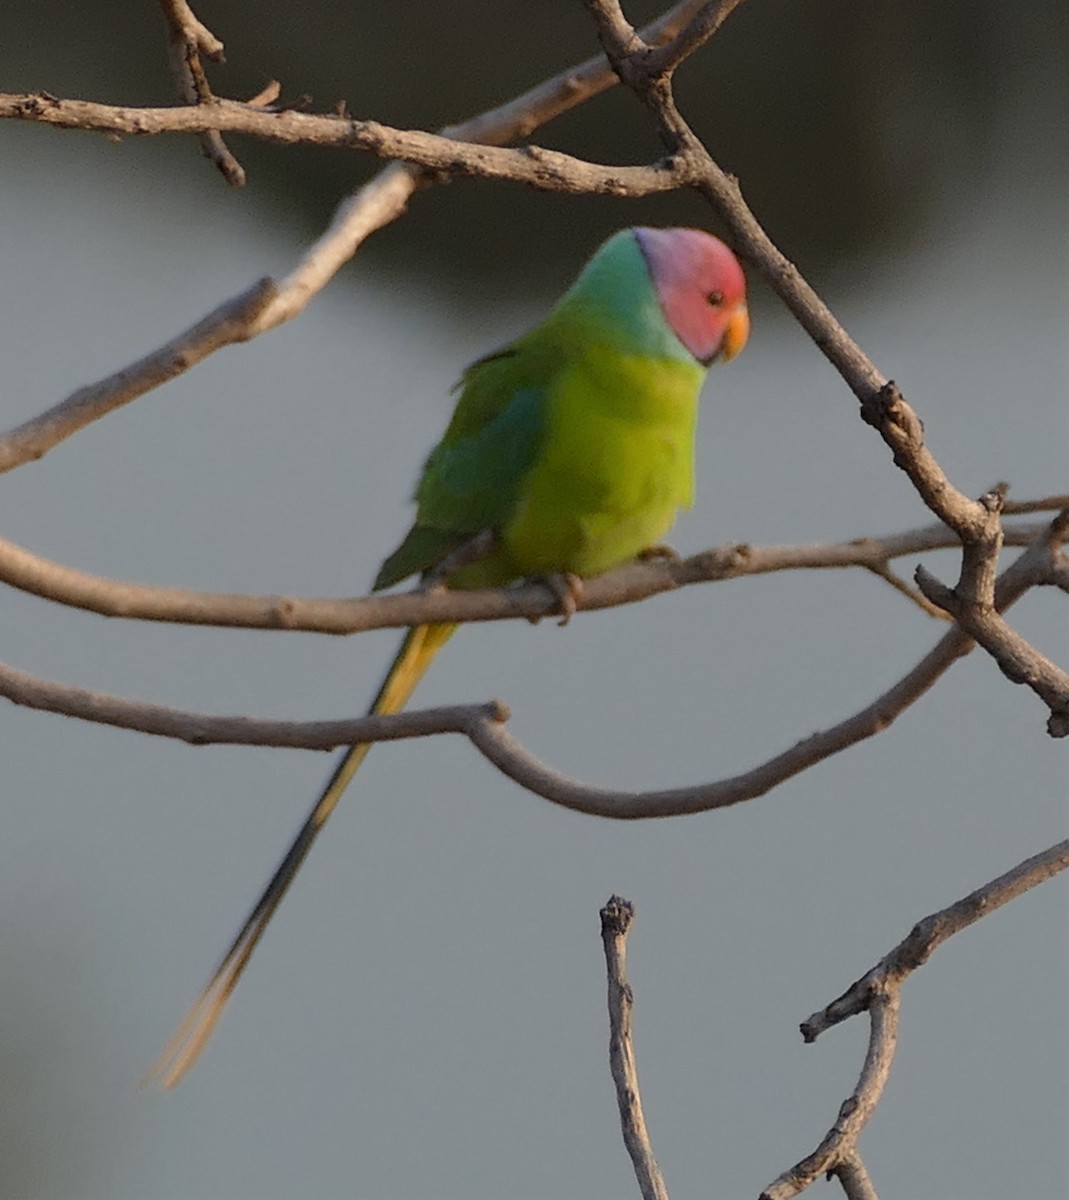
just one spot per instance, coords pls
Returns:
(426, 1017)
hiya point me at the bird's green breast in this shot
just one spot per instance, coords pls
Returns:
(616, 463)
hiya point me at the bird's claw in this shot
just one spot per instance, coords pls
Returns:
(659, 553)
(567, 590)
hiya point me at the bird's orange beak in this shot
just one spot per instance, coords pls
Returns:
(736, 332)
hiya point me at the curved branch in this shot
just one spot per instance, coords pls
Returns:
(879, 993)
(204, 729)
(840, 1142)
(39, 576)
(484, 727)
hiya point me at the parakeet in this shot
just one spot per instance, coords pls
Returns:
(569, 452)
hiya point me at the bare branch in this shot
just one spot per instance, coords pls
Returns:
(884, 572)
(533, 166)
(971, 604)
(928, 935)
(202, 729)
(633, 57)
(840, 1142)
(519, 117)
(853, 1176)
(1017, 659)
(483, 726)
(231, 322)
(623, 46)
(976, 522)
(370, 208)
(187, 40)
(697, 31)
(510, 757)
(183, 25)
(1043, 504)
(636, 581)
(879, 993)
(616, 918)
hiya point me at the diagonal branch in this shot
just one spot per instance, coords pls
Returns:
(878, 992)
(233, 321)
(928, 935)
(976, 522)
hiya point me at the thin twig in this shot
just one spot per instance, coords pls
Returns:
(697, 31)
(884, 572)
(1043, 504)
(616, 918)
(497, 744)
(187, 40)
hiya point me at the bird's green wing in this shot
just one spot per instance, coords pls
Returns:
(473, 477)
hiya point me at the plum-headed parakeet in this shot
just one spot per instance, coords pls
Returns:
(569, 452)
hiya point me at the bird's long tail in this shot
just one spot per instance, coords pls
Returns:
(421, 644)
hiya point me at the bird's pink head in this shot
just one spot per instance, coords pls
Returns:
(701, 288)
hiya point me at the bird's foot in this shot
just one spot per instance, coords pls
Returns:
(659, 553)
(567, 590)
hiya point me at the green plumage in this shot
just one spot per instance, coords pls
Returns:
(574, 444)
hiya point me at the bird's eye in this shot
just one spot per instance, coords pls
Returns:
(715, 299)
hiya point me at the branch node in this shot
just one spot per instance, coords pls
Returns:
(881, 405)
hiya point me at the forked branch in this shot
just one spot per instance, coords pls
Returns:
(878, 992)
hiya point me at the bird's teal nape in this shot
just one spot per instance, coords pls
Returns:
(569, 452)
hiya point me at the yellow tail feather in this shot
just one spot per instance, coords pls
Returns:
(417, 651)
